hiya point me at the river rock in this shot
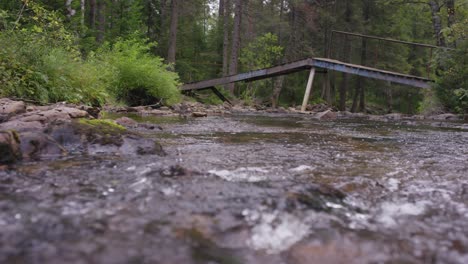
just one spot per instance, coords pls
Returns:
(312, 196)
(127, 122)
(326, 115)
(10, 151)
(394, 116)
(10, 107)
(36, 145)
(21, 126)
(177, 171)
(92, 111)
(416, 117)
(59, 113)
(140, 146)
(199, 114)
(102, 137)
(3, 118)
(335, 251)
(451, 117)
(159, 112)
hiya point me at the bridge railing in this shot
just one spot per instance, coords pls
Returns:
(383, 53)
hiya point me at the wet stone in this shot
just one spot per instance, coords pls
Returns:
(177, 171)
(313, 197)
(10, 150)
(445, 117)
(10, 107)
(127, 122)
(199, 114)
(388, 194)
(326, 115)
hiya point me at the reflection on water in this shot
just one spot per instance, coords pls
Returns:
(253, 189)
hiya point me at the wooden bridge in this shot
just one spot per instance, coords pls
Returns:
(310, 64)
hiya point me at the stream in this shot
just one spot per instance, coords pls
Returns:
(249, 188)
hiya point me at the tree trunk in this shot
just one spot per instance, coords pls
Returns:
(220, 21)
(359, 90)
(360, 83)
(343, 91)
(389, 99)
(235, 42)
(346, 57)
(92, 14)
(325, 83)
(70, 11)
(226, 17)
(150, 20)
(451, 18)
(163, 16)
(277, 87)
(82, 20)
(171, 53)
(101, 14)
(410, 104)
(291, 48)
(278, 81)
(451, 12)
(437, 23)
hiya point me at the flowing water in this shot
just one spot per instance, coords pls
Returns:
(249, 189)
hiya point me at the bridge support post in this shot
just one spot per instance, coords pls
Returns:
(310, 82)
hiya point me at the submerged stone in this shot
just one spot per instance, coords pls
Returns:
(37, 145)
(326, 115)
(10, 151)
(313, 197)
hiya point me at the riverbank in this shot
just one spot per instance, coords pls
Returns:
(260, 188)
(31, 132)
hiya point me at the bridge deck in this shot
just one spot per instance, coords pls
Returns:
(310, 63)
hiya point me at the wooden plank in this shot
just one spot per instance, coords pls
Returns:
(305, 64)
(373, 73)
(250, 76)
(310, 82)
(220, 95)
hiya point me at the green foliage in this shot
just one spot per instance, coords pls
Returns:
(38, 61)
(263, 52)
(140, 77)
(452, 84)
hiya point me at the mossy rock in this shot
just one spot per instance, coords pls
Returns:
(105, 125)
(104, 135)
(101, 131)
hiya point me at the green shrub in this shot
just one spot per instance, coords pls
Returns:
(32, 70)
(39, 62)
(452, 84)
(430, 105)
(141, 78)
